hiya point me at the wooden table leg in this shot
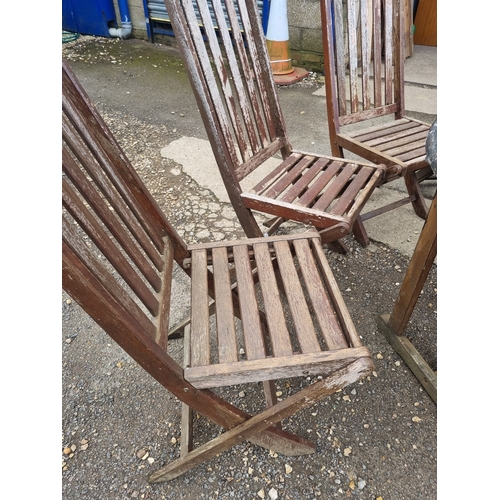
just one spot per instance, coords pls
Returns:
(394, 326)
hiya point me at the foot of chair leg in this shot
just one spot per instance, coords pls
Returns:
(338, 246)
(359, 231)
(413, 187)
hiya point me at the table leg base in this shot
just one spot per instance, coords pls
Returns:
(426, 376)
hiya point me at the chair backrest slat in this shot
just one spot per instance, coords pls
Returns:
(106, 206)
(76, 254)
(92, 227)
(107, 211)
(363, 58)
(233, 80)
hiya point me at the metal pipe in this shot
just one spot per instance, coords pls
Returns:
(126, 24)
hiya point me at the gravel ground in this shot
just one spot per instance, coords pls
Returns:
(376, 439)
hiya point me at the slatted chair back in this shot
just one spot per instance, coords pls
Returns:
(226, 57)
(105, 204)
(119, 251)
(365, 60)
(364, 54)
(235, 90)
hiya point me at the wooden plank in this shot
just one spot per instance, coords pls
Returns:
(108, 247)
(304, 327)
(340, 55)
(329, 326)
(250, 316)
(414, 360)
(280, 339)
(389, 130)
(317, 218)
(414, 155)
(273, 368)
(377, 54)
(284, 409)
(270, 178)
(290, 177)
(338, 302)
(251, 241)
(82, 257)
(187, 411)
(110, 220)
(200, 330)
(302, 185)
(99, 139)
(365, 43)
(234, 131)
(388, 51)
(416, 274)
(407, 141)
(226, 333)
(165, 296)
(352, 41)
(348, 197)
(133, 223)
(322, 180)
(335, 187)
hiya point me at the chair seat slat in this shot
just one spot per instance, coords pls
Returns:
(256, 370)
(276, 321)
(276, 173)
(322, 304)
(348, 197)
(290, 177)
(390, 131)
(299, 309)
(406, 141)
(416, 155)
(250, 317)
(335, 187)
(343, 316)
(301, 186)
(200, 330)
(308, 198)
(227, 347)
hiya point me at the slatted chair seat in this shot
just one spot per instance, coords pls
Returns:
(364, 79)
(314, 343)
(231, 76)
(278, 310)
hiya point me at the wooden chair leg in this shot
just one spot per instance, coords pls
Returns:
(359, 231)
(187, 411)
(338, 246)
(256, 424)
(413, 187)
(273, 224)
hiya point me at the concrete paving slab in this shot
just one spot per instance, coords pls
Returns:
(421, 66)
(198, 161)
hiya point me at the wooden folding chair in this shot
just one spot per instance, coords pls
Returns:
(278, 310)
(364, 51)
(225, 54)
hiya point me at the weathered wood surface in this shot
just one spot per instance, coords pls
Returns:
(393, 326)
(234, 86)
(118, 256)
(364, 79)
